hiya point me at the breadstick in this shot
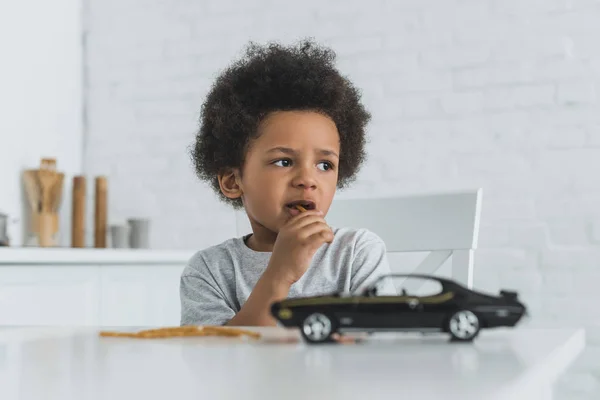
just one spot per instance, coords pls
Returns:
(117, 334)
(183, 331)
(231, 331)
(299, 207)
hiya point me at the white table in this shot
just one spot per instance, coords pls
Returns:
(63, 363)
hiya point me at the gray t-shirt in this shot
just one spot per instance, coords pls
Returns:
(218, 280)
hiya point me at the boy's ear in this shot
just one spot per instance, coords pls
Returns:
(230, 183)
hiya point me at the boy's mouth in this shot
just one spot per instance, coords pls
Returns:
(306, 204)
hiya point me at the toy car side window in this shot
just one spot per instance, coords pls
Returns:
(418, 287)
(384, 287)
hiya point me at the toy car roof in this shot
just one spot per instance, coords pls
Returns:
(423, 276)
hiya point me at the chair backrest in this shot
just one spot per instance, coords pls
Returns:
(426, 222)
(445, 224)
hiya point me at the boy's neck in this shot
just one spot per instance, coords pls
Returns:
(261, 242)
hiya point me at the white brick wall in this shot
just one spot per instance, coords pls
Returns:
(40, 107)
(501, 94)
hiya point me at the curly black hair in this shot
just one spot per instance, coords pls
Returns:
(276, 78)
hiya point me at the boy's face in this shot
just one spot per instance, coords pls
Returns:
(294, 158)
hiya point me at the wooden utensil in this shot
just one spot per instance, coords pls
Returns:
(45, 220)
(47, 177)
(57, 190)
(48, 164)
(32, 190)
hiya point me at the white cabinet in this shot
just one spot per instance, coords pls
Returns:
(140, 296)
(89, 287)
(41, 295)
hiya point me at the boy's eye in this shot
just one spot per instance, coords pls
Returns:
(326, 165)
(283, 163)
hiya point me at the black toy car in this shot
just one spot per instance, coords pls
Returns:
(451, 308)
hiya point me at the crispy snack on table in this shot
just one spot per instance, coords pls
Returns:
(180, 331)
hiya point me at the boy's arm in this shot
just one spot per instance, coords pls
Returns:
(370, 262)
(294, 248)
(257, 309)
(202, 303)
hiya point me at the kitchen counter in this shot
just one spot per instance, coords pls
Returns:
(69, 363)
(62, 256)
(90, 287)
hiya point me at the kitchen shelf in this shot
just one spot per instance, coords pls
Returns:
(54, 256)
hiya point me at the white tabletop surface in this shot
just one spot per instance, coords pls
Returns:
(62, 363)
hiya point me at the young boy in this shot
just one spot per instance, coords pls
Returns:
(279, 128)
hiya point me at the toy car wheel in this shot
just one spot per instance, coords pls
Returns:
(463, 325)
(318, 328)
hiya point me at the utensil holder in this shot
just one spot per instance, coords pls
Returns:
(45, 226)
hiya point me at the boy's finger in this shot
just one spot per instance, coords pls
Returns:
(320, 234)
(302, 229)
(306, 214)
(311, 229)
(305, 219)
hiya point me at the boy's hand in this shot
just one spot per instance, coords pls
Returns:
(296, 244)
(292, 253)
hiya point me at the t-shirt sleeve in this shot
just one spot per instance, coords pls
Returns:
(202, 300)
(370, 261)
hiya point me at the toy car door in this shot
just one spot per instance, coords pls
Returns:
(380, 307)
(432, 310)
(423, 298)
(381, 312)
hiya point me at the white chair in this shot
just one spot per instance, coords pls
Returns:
(444, 224)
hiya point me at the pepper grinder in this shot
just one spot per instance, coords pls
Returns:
(100, 212)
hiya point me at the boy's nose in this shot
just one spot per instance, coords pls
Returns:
(305, 179)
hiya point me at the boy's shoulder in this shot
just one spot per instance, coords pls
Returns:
(359, 237)
(221, 254)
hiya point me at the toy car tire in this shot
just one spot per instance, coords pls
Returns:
(463, 326)
(318, 328)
